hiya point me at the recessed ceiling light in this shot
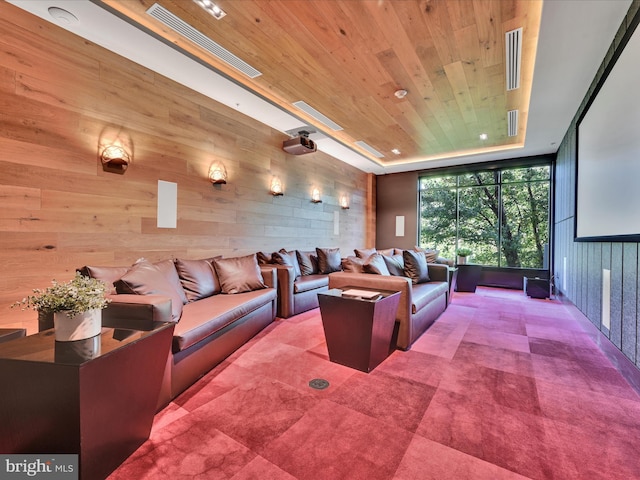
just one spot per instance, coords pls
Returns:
(483, 136)
(400, 93)
(395, 151)
(211, 8)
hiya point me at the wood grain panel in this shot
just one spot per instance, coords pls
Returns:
(61, 95)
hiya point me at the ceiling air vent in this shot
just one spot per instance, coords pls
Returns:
(369, 149)
(512, 123)
(309, 110)
(513, 42)
(183, 28)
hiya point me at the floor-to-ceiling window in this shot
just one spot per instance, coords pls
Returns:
(500, 214)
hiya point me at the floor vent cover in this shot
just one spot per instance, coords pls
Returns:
(318, 383)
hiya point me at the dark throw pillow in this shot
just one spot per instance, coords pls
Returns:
(353, 264)
(308, 262)
(198, 278)
(287, 258)
(395, 264)
(328, 260)
(364, 252)
(375, 264)
(239, 274)
(415, 266)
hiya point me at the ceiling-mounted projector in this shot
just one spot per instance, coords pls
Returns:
(299, 145)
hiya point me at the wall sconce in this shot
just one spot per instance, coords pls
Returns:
(276, 187)
(217, 173)
(344, 202)
(315, 195)
(115, 150)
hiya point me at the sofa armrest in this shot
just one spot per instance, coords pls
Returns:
(286, 276)
(139, 312)
(269, 276)
(438, 272)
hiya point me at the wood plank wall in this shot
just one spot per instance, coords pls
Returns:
(61, 211)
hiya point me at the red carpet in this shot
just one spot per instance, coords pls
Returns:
(502, 386)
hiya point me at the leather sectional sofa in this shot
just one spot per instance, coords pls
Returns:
(218, 305)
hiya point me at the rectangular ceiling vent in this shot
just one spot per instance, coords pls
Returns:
(183, 28)
(369, 149)
(312, 112)
(512, 123)
(513, 42)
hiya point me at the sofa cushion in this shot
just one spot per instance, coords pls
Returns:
(287, 258)
(168, 269)
(198, 278)
(431, 254)
(264, 258)
(310, 282)
(108, 275)
(415, 266)
(328, 260)
(388, 251)
(364, 252)
(239, 274)
(423, 294)
(353, 264)
(209, 315)
(395, 264)
(375, 264)
(145, 278)
(308, 262)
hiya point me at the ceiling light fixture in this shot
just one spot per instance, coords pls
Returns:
(401, 93)
(395, 151)
(214, 10)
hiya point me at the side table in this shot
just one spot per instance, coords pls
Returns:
(468, 277)
(95, 398)
(358, 328)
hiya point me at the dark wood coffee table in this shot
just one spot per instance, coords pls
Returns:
(96, 398)
(358, 330)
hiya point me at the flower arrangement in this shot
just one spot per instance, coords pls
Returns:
(73, 297)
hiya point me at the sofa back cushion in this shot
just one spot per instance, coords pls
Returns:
(328, 260)
(239, 274)
(108, 275)
(264, 258)
(415, 266)
(287, 258)
(375, 264)
(308, 262)
(364, 252)
(145, 278)
(198, 278)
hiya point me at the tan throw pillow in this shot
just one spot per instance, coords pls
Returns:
(308, 262)
(198, 278)
(387, 252)
(431, 254)
(364, 252)
(145, 278)
(353, 264)
(328, 260)
(239, 274)
(395, 264)
(415, 266)
(375, 264)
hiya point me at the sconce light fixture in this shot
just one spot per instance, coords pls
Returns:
(276, 187)
(115, 149)
(344, 202)
(315, 195)
(217, 173)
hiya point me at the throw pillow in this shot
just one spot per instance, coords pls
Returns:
(308, 262)
(387, 251)
(431, 254)
(264, 258)
(145, 278)
(415, 266)
(375, 264)
(395, 264)
(168, 269)
(328, 260)
(364, 252)
(353, 264)
(198, 279)
(239, 274)
(107, 275)
(287, 258)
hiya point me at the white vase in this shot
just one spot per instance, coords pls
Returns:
(84, 325)
(462, 260)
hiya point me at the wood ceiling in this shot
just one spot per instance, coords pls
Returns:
(346, 58)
